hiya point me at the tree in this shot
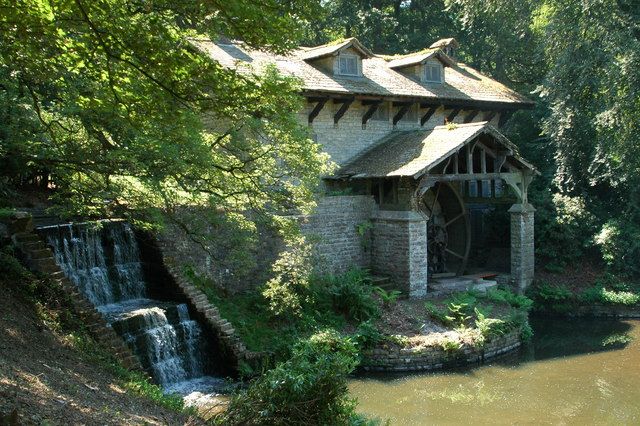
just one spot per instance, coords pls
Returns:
(112, 101)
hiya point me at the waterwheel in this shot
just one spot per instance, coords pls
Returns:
(448, 229)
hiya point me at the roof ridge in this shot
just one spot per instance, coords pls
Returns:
(472, 124)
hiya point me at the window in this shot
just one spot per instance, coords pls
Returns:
(382, 113)
(433, 73)
(348, 65)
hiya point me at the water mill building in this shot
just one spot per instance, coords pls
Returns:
(423, 171)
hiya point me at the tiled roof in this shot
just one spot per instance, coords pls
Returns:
(409, 60)
(335, 48)
(412, 153)
(462, 83)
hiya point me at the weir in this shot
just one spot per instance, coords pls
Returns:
(104, 262)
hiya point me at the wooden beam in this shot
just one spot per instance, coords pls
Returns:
(504, 116)
(469, 117)
(513, 177)
(453, 114)
(346, 103)
(316, 110)
(432, 101)
(372, 110)
(469, 159)
(427, 115)
(404, 107)
(366, 102)
(488, 116)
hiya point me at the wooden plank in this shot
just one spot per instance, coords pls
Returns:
(372, 110)
(316, 110)
(453, 114)
(346, 103)
(401, 112)
(427, 115)
(488, 116)
(470, 116)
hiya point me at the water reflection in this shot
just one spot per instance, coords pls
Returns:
(574, 372)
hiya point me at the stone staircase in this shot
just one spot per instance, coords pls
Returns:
(39, 258)
(230, 341)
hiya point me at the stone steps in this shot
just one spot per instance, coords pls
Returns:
(224, 330)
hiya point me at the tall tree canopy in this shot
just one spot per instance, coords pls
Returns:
(111, 100)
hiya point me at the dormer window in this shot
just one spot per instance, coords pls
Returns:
(433, 72)
(348, 65)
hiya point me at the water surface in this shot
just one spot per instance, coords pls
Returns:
(574, 372)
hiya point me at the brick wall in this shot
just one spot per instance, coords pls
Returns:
(399, 242)
(522, 245)
(333, 229)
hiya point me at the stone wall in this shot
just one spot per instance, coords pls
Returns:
(522, 245)
(399, 244)
(340, 231)
(435, 357)
(348, 138)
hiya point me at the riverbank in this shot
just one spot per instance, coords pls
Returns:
(464, 328)
(572, 372)
(602, 296)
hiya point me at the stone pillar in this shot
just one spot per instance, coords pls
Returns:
(522, 245)
(399, 250)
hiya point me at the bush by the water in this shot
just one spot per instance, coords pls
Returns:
(472, 309)
(308, 388)
(606, 291)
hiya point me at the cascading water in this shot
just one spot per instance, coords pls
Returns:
(104, 262)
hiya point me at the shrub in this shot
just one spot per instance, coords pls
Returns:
(489, 327)
(352, 295)
(509, 297)
(619, 242)
(564, 227)
(388, 297)
(309, 388)
(292, 271)
(599, 294)
(367, 335)
(436, 312)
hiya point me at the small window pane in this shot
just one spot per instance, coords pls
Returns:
(433, 73)
(348, 65)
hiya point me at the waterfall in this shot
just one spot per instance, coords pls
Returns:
(103, 261)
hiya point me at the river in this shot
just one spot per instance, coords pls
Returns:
(574, 371)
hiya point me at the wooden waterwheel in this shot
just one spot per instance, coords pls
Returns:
(448, 229)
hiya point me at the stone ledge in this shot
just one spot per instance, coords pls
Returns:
(396, 359)
(198, 301)
(398, 216)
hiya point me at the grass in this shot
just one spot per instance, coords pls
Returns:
(134, 382)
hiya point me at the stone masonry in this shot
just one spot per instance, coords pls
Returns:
(522, 245)
(340, 231)
(400, 250)
(435, 357)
